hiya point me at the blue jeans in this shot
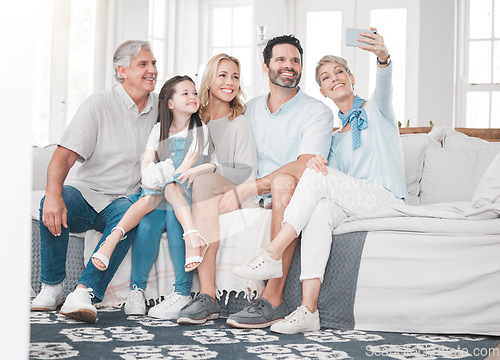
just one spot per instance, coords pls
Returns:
(146, 246)
(82, 217)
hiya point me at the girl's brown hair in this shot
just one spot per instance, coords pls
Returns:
(166, 117)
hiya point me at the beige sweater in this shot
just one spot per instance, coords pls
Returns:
(234, 148)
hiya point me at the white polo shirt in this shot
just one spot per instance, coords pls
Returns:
(110, 136)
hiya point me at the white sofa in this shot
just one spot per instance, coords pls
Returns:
(409, 272)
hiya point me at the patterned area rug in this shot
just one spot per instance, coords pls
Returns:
(116, 336)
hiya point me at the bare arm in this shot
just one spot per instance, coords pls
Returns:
(187, 163)
(149, 157)
(54, 209)
(232, 199)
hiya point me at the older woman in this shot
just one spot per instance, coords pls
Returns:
(221, 108)
(365, 172)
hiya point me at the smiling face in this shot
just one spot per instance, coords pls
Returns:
(185, 99)
(226, 83)
(285, 68)
(336, 83)
(140, 76)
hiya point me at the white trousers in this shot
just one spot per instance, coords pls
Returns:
(320, 203)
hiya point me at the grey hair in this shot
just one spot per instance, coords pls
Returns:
(126, 52)
(331, 59)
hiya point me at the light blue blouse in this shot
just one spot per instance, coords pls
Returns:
(379, 160)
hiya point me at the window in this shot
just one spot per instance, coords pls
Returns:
(64, 65)
(320, 27)
(230, 31)
(479, 64)
(392, 25)
(41, 80)
(162, 37)
(81, 54)
(318, 24)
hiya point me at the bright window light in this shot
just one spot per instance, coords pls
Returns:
(391, 23)
(318, 45)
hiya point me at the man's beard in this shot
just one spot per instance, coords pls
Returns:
(286, 83)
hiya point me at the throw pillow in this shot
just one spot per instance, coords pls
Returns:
(414, 148)
(453, 174)
(488, 189)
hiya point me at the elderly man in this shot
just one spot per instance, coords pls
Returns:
(108, 135)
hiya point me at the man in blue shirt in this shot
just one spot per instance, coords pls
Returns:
(289, 127)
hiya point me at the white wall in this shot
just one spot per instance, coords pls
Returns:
(132, 20)
(16, 94)
(436, 62)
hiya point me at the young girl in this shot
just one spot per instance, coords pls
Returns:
(181, 140)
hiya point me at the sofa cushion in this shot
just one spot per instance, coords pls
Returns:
(36, 197)
(456, 139)
(41, 159)
(414, 148)
(488, 189)
(452, 174)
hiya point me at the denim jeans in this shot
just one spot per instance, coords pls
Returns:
(82, 217)
(146, 246)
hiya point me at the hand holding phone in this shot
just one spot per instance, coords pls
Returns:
(352, 35)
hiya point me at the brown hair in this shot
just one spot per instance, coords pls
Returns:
(166, 117)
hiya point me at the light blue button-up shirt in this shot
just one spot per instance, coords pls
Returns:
(302, 125)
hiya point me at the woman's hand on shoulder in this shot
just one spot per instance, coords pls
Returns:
(318, 163)
(377, 45)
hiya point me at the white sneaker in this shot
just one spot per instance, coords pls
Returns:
(78, 305)
(49, 298)
(136, 303)
(261, 267)
(169, 308)
(298, 321)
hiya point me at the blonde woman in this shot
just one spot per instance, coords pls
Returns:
(221, 108)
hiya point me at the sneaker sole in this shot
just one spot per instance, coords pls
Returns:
(85, 315)
(59, 302)
(41, 308)
(189, 321)
(258, 276)
(166, 317)
(239, 325)
(294, 331)
(135, 312)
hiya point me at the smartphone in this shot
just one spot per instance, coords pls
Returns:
(352, 36)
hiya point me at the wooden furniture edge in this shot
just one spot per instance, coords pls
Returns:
(488, 134)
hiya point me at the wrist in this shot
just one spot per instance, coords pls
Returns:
(384, 61)
(53, 191)
(247, 189)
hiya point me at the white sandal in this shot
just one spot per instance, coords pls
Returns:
(198, 259)
(97, 255)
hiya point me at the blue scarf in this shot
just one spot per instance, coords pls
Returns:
(358, 119)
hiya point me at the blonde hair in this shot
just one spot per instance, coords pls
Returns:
(236, 106)
(331, 59)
